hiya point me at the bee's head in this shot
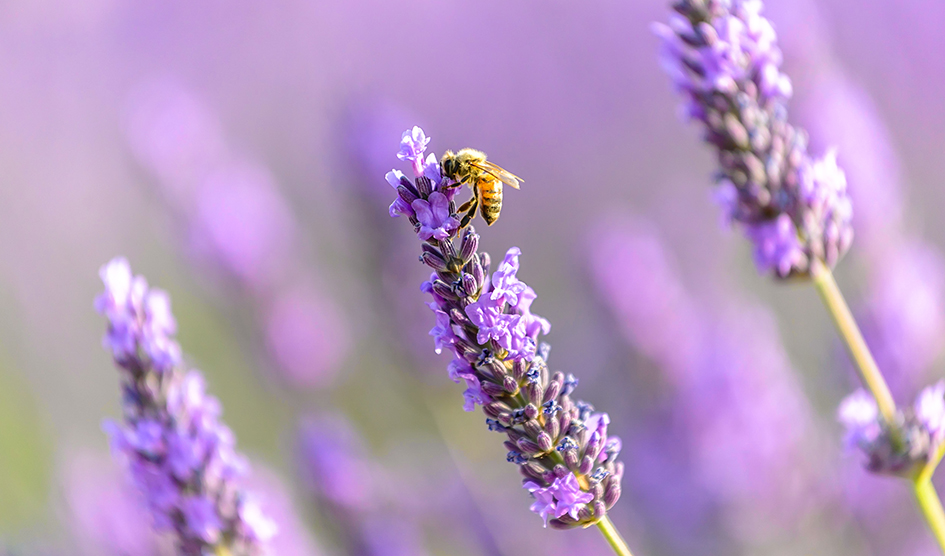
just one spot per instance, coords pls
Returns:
(449, 166)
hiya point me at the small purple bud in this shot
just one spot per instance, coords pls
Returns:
(494, 409)
(586, 465)
(545, 442)
(533, 393)
(458, 317)
(561, 471)
(531, 411)
(611, 491)
(510, 385)
(554, 388)
(469, 284)
(444, 290)
(474, 268)
(492, 389)
(564, 420)
(434, 261)
(406, 194)
(532, 428)
(469, 245)
(528, 447)
(533, 470)
(518, 369)
(446, 247)
(594, 445)
(424, 186)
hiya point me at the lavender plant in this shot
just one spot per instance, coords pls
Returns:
(560, 446)
(178, 452)
(724, 59)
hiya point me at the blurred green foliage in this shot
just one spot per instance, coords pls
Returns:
(25, 453)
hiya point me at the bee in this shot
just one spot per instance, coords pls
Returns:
(470, 166)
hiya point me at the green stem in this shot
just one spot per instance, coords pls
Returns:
(925, 494)
(931, 507)
(850, 332)
(613, 537)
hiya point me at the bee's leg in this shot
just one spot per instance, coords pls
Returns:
(473, 204)
(465, 206)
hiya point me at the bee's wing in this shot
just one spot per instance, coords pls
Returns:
(499, 173)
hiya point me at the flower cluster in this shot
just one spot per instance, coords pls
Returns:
(723, 58)
(561, 446)
(180, 455)
(904, 448)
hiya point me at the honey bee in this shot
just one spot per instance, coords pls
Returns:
(470, 166)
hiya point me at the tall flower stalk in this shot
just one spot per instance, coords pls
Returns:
(561, 446)
(724, 59)
(179, 453)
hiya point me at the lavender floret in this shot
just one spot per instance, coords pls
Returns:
(180, 455)
(724, 59)
(486, 322)
(903, 448)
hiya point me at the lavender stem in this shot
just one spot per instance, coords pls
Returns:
(925, 494)
(931, 507)
(853, 338)
(620, 546)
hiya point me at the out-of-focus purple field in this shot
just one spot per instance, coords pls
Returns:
(235, 153)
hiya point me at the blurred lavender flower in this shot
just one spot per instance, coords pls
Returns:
(732, 385)
(561, 447)
(243, 224)
(239, 222)
(305, 336)
(273, 499)
(915, 441)
(723, 58)
(347, 484)
(334, 463)
(391, 535)
(180, 455)
(105, 511)
(903, 312)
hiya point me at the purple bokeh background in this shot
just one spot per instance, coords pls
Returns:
(235, 152)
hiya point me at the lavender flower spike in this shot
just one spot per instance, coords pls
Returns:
(180, 455)
(561, 446)
(724, 59)
(918, 436)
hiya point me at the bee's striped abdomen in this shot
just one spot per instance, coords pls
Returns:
(490, 200)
